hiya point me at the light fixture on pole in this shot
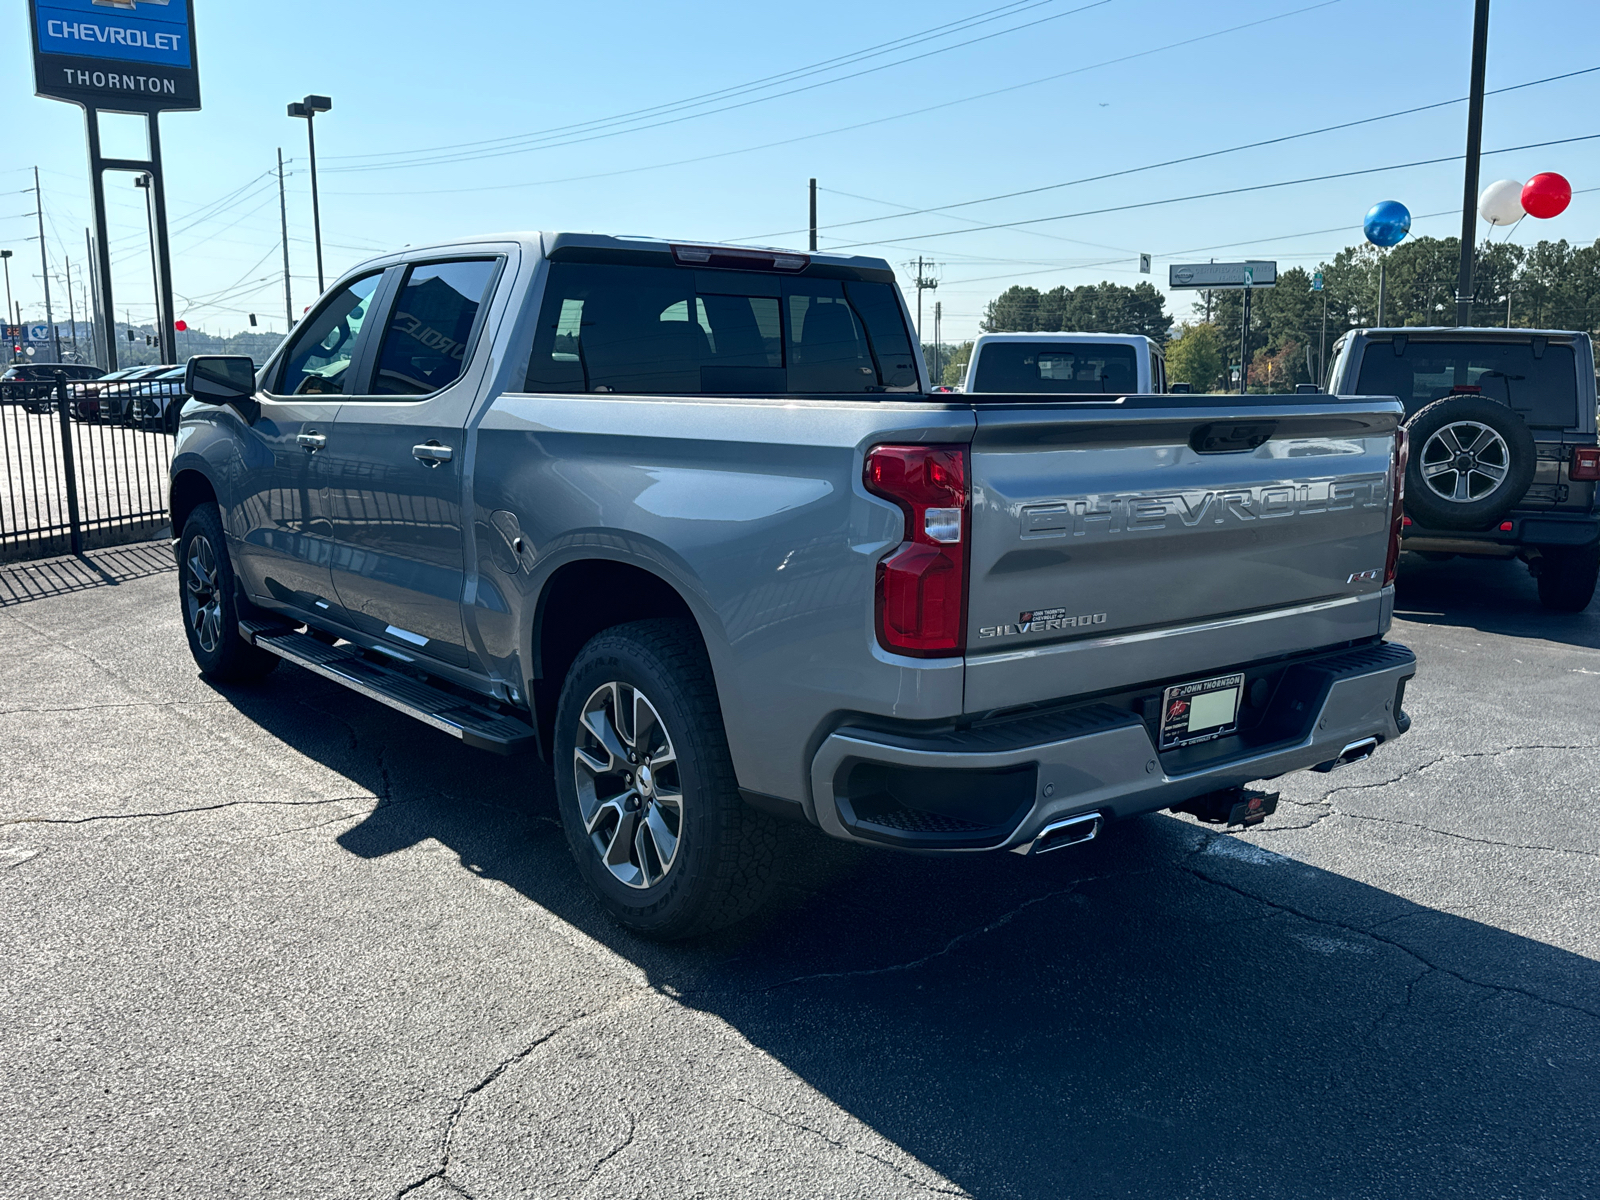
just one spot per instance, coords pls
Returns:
(143, 182)
(309, 108)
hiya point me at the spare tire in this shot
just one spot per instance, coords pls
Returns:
(1471, 461)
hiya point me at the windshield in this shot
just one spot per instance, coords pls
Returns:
(1096, 368)
(1542, 388)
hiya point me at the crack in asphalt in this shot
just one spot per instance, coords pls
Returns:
(1386, 941)
(453, 1121)
(177, 812)
(1003, 919)
(67, 708)
(1467, 837)
(837, 1144)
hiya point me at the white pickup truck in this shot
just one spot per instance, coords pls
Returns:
(1075, 363)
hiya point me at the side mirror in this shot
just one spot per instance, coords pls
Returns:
(223, 379)
(1179, 389)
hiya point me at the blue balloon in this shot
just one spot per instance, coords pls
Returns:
(1387, 223)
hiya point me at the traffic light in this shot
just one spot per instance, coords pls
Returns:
(130, 335)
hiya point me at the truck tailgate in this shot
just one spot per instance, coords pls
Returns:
(1129, 541)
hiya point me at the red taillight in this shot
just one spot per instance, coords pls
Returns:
(1585, 466)
(1397, 519)
(922, 586)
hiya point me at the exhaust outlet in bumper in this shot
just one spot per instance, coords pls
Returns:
(1070, 831)
(1353, 753)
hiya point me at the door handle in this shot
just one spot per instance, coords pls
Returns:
(312, 441)
(432, 453)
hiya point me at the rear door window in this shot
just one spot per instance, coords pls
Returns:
(681, 331)
(425, 345)
(1542, 388)
(1088, 368)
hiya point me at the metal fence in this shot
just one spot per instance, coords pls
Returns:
(85, 464)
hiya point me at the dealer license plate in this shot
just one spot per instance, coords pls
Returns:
(1200, 711)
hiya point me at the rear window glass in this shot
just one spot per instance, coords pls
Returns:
(1543, 390)
(1070, 367)
(680, 331)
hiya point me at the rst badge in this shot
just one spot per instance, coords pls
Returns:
(1043, 619)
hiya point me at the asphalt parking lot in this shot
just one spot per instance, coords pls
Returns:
(282, 942)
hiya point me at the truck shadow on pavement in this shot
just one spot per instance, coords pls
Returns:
(1492, 597)
(1164, 1012)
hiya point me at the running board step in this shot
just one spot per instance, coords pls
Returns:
(475, 724)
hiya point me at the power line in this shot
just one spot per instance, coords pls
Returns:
(1172, 162)
(1258, 187)
(1016, 7)
(859, 125)
(448, 158)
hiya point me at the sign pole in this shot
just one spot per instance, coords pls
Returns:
(1469, 198)
(158, 187)
(98, 329)
(102, 244)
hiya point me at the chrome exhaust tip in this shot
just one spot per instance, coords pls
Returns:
(1353, 753)
(1070, 831)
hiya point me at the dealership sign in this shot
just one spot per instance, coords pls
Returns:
(118, 55)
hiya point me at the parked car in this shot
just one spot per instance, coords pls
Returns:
(157, 401)
(42, 398)
(1504, 452)
(687, 519)
(110, 398)
(1066, 364)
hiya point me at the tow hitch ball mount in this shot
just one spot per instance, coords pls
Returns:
(1232, 806)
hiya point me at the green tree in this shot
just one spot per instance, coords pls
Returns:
(1092, 308)
(1196, 357)
(955, 367)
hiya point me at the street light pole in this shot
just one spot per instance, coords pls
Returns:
(143, 182)
(1469, 195)
(44, 265)
(309, 108)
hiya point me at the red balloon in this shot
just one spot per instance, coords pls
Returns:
(1546, 195)
(181, 326)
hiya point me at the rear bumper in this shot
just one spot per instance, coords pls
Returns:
(994, 787)
(1535, 528)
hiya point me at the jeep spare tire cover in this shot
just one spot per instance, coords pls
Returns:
(1472, 459)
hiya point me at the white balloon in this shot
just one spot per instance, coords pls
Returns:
(1501, 203)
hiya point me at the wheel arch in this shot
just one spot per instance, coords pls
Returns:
(189, 490)
(580, 599)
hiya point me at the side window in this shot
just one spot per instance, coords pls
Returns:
(319, 356)
(425, 346)
(828, 349)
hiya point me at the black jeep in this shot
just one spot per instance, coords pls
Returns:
(1503, 450)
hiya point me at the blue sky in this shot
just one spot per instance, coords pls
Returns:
(409, 77)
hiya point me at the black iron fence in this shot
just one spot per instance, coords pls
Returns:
(84, 464)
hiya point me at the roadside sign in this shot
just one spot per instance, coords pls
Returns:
(121, 55)
(14, 333)
(1144, 264)
(38, 333)
(1252, 274)
(1316, 282)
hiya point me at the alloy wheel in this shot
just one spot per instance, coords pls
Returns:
(203, 598)
(629, 792)
(1465, 461)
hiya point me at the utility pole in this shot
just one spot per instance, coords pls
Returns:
(5, 259)
(937, 373)
(1244, 338)
(1382, 263)
(925, 283)
(1322, 354)
(813, 216)
(72, 312)
(1469, 194)
(101, 333)
(283, 218)
(44, 263)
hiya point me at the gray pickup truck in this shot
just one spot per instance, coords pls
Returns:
(687, 520)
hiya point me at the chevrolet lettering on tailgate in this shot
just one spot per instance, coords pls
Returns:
(1146, 511)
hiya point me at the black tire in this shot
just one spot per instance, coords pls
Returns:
(1567, 577)
(1455, 486)
(208, 594)
(721, 862)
